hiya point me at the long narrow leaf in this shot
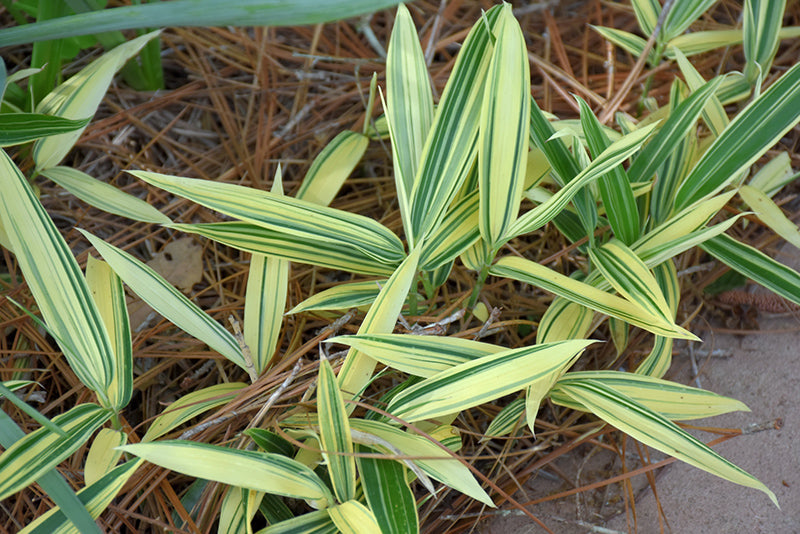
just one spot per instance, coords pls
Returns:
(332, 167)
(168, 301)
(285, 214)
(352, 517)
(55, 280)
(388, 494)
(334, 433)
(341, 297)
(19, 128)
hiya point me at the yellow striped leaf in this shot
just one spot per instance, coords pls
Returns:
(352, 517)
(770, 214)
(103, 456)
(485, 379)
(658, 361)
(331, 167)
(506, 421)
(562, 320)
(458, 231)
(334, 433)
(341, 297)
(316, 522)
(388, 494)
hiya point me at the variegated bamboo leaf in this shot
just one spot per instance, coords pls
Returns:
(770, 214)
(152, 288)
(104, 196)
(774, 175)
(587, 295)
(458, 231)
(627, 41)
(260, 471)
(285, 214)
(503, 130)
(658, 361)
(387, 492)
(55, 280)
(258, 240)
(681, 16)
(754, 131)
(562, 320)
(316, 522)
(190, 406)
(331, 167)
(334, 433)
(78, 98)
(352, 517)
(19, 128)
(475, 382)
(450, 148)
(445, 467)
(103, 456)
(341, 297)
(109, 296)
(655, 430)
(506, 421)
(761, 20)
(418, 355)
(41, 450)
(357, 368)
(238, 509)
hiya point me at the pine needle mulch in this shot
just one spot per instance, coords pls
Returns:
(240, 101)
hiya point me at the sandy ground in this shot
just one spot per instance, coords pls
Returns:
(763, 371)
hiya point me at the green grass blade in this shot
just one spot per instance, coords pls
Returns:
(55, 280)
(418, 355)
(258, 240)
(586, 295)
(104, 196)
(332, 167)
(388, 494)
(109, 296)
(260, 471)
(41, 450)
(451, 146)
(334, 433)
(163, 297)
(193, 13)
(285, 214)
(485, 379)
(615, 186)
(79, 97)
(19, 128)
(190, 406)
(503, 131)
(754, 131)
(409, 105)
(655, 430)
(756, 265)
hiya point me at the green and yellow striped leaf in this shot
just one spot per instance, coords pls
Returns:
(259, 471)
(587, 295)
(418, 355)
(285, 214)
(19, 128)
(503, 130)
(770, 214)
(647, 12)
(388, 494)
(482, 380)
(631, 278)
(316, 522)
(450, 148)
(756, 265)
(352, 517)
(612, 156)
(356, 371)
(109, 296)
(104, 196)
(237, 511)
(331, 167)
(562, 320)
(103, 456)
(761, 20)
(681, 16)
(444, 467)
(713, 114)
(506, 421)
(674, 401)
(190, 406)
(658, 361)
(95, 497)
(55, 280)
(41, 450)
(655, 430)
(774, 175)
(615, 185)
(258, 240)
(458, 231)
(409, 106)
(627, 41)
(334, 433)
(341, 297)
(754, 131)
(79, 97)
(152, 288)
